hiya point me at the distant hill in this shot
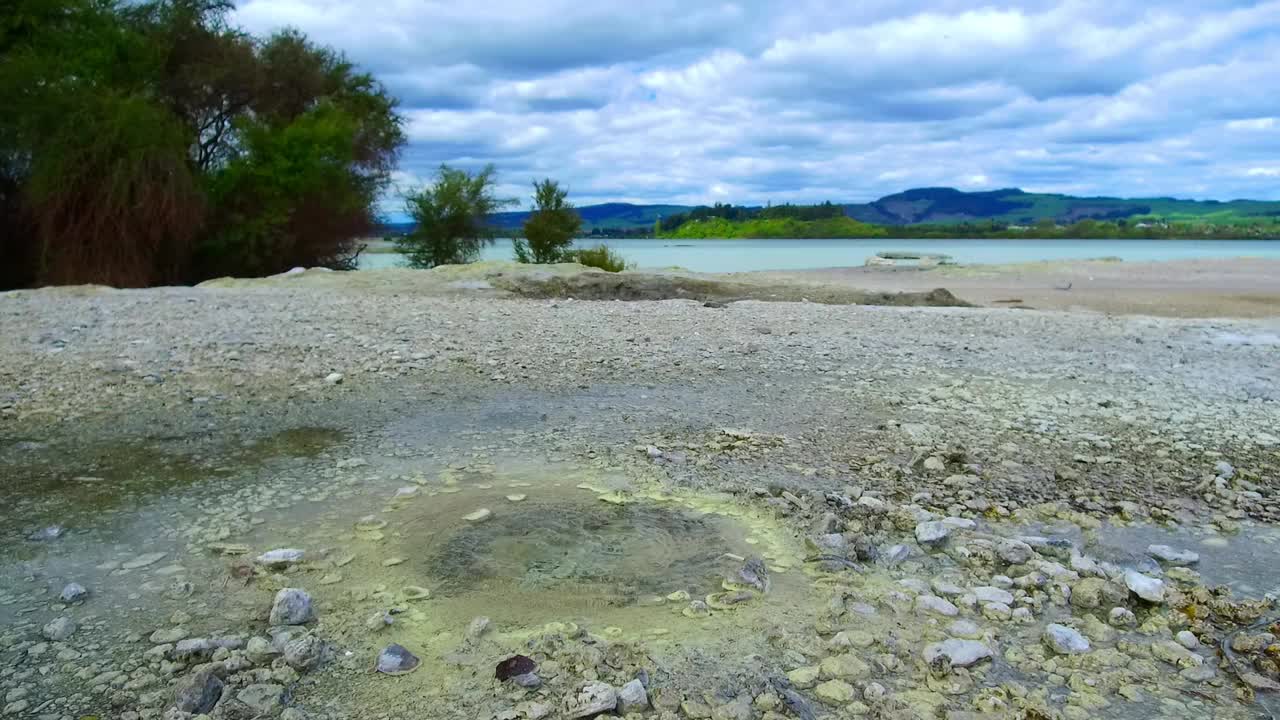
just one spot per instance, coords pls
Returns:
(949, 206)
(930, 206)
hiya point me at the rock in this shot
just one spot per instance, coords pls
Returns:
(45, 534)
(304, 653)
(989, 594)
(530, 681)
(73, 592)
(1065, 640)
(589, 700)
(956, 652)
(1145, 587)
(260, 651)
(263, 698)
(872, 503)
(1171, 556)
(1014, 552)
(171, 635)
(804, 677)
(1122, 617)
(198, 693)
(59, 629)
(478, 627)
(1224, 469)
(932, 532)
(1093, 592)
(894, 555)
(142, 561)
(1175, 654)
(934, 464)
(292, 606)
(281, 557)
(835, 692)
(1187, 639)
(632, 697)
(845, 666)
(946, 588)
(396, 660)
(935, 604)
(478, 515)
(190, 648)
(379, 621)
(964, 629)
(753, 573)
(334, 378)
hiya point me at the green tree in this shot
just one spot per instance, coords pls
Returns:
(550, 229)
(451, 217)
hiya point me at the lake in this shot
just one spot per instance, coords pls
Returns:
(747, 255)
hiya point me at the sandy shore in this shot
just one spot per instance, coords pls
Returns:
(1237, 287)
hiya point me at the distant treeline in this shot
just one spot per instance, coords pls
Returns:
(151, 142)
(828, 221)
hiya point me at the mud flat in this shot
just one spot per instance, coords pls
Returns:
(463, 494)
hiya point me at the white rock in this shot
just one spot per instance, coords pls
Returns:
(1122, 617)
(935, 604)
(957, 523)
(964, 629)
(592, 699)
(1187, 639)
(960, 653)
(932, 532)
(1014, 552)
(1064, 640)
(478, 515)
(73, 592)
(281, 557)
(632, 698)
(1145, 587)
(871, 503)
(1172, 556)
(333, 378)
(989, 594)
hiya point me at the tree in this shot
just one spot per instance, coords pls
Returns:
(148, 142)
(451, 217)
(550, 229)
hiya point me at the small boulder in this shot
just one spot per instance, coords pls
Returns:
(1014, 552)
(396, 660)
(1167, 554)
(292, 606)
(281, 557)
(589, 700)
(1065, 640)
(304, 653)
(632, 698)
(835, 692)
(198, 693)
(1144, 586)
(73, 592)
(264, 699)
(956, 652)
(59, 629)
(932, 532)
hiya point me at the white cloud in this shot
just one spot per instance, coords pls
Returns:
(750, 101)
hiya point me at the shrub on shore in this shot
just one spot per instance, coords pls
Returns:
(600, 256)
(450, 218)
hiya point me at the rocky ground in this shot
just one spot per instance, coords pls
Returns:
(957, 512)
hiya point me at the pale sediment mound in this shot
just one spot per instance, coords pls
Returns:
(570, 280)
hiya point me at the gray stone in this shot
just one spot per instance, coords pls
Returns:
(1187, 639)
(932, 532)
(164, 637)
(632, 697)
(1224, 469)
(292, 606)
(989, 594)
(73, 592)
(396, 660)
(260, 651)
(281, 557)
(1122, 617)
(191, 647)
(529, 680)
(958, 653)
(263, 698)
(304, 653)
(1171, 556)
(935, 604)
(1065, 640)
(59, 629)
(1145, 587)
(44, 534)
(198, 693)
(1014, 552)
(478, 627)
(589, 700)
(379, 621)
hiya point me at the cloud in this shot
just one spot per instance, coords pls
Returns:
(753, 101)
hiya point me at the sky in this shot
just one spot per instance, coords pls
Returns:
(688, 102)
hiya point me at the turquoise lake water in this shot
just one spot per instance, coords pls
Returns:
(746, 255)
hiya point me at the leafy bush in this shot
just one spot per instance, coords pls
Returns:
(600, 256)
(450, 218)
(549, 231)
